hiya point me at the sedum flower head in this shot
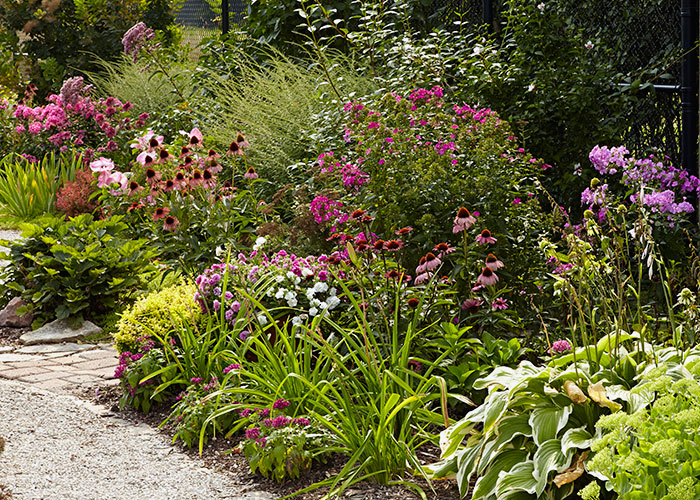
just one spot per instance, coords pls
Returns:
(666, 448)
(590, 492)
(685, 489)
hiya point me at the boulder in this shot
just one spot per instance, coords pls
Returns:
(59, 331)
(9, 317)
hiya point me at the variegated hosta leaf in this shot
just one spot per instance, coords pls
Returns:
(597, 393)
(548, 458)
(547, 422)
(503, 463)
(508, 378)
(519, 478)
(508, 428)
(576, 438)
(572, 473)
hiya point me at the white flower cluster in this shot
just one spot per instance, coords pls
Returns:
(314, 300)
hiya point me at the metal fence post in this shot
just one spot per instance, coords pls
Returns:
(224, 17)
(488, 14)
(689, 86)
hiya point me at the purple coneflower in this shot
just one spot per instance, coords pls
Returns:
(487, 277)
(421, 266)
(463, 220)
(146, 159)
(171, 223)
(404, 231)
(161, 213)
(493, 263)
(215, 167)
(393, 245)
(134, 187)
(242, 143)
(432, 262)
(234, 149)
(422, 278)
(164, 156)
(499, 304)
(196, 179)
(485, 238)
(208, 179)
(196, 138)
(413, 302)
(471, 305)
(251, 174)
(152, 176)
(443, 249)
(378, 245)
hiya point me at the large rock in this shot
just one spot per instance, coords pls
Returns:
(9, 317)
(59, 331)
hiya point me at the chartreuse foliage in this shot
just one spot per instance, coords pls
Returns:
(75, 267)
(535, 423)
(655, 451)
(160, 313)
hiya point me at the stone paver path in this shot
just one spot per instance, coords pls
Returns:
(60, 367)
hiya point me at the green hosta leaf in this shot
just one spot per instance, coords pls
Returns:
(519, 478)
(548, 421)
(508, 428)
(576, 438)
(548, 458)
(496, 407)
(503, 462)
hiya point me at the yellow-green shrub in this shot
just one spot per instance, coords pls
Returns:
(157, 313)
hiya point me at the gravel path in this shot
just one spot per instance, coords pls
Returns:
(60, 447)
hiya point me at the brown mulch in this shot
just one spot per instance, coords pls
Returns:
(217, 456)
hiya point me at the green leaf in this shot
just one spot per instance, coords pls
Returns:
(548, 458)
(548, 421)
(504, 462)
(519, 478)
(576, 438)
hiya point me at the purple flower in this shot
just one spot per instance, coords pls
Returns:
(280, 404)
(301, 422)
(230, 368)
(196, 380)
(253, 433)
(560, 346)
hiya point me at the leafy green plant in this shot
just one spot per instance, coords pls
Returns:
(282, 447)
(137, 383)
(80, 267)
(654, 452)
(536, 424)
(28, 189)
(194, 406)
(59, 38)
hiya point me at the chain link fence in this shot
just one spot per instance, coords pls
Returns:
(203, 18)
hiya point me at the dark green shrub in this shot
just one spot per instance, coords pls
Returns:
(78, 267)
(60, 38)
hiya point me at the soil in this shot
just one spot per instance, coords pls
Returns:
(10, 337)
(217, 455)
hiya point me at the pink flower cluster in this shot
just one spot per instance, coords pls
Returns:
(324, 210)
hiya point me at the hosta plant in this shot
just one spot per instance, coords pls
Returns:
(531, 435)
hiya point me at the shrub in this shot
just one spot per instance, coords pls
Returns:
(654, 451)
(71, 119)
(60, 38)
(74, 197)
(158, 314)
(78, 267)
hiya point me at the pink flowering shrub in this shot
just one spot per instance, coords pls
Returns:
(409, 160)
(72, 119)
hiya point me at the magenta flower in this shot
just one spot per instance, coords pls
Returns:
(230, 368)
(499, 304)
(253, 433)
(280, 404)
(196, 138)
(559, 347)
(471, 305)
